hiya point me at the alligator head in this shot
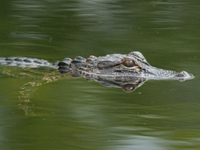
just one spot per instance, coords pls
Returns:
(133, 64)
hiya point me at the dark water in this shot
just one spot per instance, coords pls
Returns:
(40, 109)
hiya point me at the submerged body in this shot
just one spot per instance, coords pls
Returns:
(118, 66)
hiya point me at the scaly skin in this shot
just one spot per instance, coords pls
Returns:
(117, 65)
(133, 64)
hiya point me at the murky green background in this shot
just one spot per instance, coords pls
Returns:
(75, 114)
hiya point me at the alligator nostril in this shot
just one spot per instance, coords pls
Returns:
(183, 75)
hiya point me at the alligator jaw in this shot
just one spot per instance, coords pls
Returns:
(161, 74)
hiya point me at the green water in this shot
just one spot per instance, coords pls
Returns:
(41, 109)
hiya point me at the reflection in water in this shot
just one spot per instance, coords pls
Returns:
(40, 77)
(43, 76)
(128, 84)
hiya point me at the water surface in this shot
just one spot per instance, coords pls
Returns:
(41, 109)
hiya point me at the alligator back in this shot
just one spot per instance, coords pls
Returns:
(26, 62)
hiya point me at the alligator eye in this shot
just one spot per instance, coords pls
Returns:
(129, 63)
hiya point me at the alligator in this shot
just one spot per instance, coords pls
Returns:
(127, 71)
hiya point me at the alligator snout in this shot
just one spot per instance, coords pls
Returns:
(183, 75)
